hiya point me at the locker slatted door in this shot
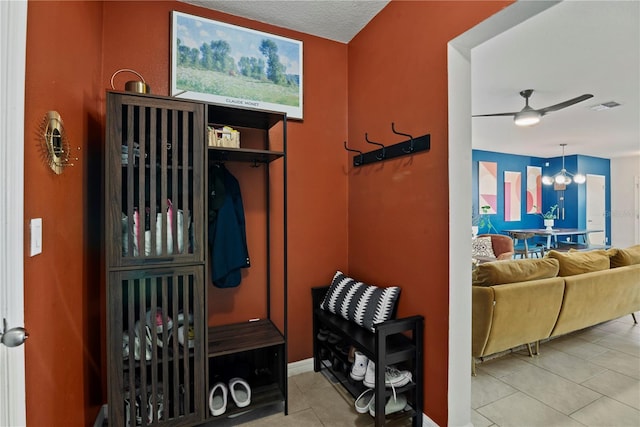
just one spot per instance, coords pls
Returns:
(160, 170)
(159, 373)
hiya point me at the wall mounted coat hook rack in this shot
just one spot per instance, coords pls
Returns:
(380, 154)
(410, 146)
(357, 160)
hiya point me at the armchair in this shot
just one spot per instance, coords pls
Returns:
(502, 245)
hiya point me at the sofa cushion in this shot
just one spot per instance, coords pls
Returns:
(624, 257)
(578, 262)
(516, 270)
(482, 247)
(360, 303)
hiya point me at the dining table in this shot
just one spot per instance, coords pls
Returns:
(554, 233)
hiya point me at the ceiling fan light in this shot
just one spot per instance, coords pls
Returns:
(547, 180)
(527, 118)
(579, 178)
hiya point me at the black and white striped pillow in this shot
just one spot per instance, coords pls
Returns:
(360, 303)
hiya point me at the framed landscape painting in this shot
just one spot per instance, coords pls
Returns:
(225, 64)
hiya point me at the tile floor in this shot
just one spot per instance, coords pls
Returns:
(314, 400)
(588, 378)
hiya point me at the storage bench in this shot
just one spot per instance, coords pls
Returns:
(395, 342)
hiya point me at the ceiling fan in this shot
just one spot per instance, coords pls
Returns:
(529, 116)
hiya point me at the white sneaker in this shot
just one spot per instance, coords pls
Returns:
(370, 376)
(359, 367)
(396, 378)
(394, 404)
(393, 377)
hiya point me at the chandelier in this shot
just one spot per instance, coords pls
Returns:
(564, 177)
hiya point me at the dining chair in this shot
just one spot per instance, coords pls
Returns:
(524, 249)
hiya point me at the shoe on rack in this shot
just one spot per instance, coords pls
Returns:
(333, 338)
(393, 377)
(370, 375)
(351, 356)
(184, 318)
(142, 341)
(156, 318)
(359, 367)
(127, 410)
(218, 399)
(323, 335)
(155, 414)
(240, 392)
(394, 404)
(125, 345)
(364, 400)
(190, 335)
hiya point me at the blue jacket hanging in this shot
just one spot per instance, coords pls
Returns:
(227, 234)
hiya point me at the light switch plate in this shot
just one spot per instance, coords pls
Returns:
(36, 236)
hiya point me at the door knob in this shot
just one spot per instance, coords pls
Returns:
(12, 337)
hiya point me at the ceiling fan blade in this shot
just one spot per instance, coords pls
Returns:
(496, 114)
(565, 104)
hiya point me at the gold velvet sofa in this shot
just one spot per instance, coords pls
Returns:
(520, 302)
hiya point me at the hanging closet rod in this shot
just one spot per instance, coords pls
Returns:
(412, 145)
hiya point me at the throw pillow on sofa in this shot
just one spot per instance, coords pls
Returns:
(360, 303)
(482, 247)
(515, 270)
(624, 257)
(578, 262)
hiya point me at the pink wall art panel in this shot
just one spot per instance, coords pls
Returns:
(512, 198)
(534, 189)
(488, 187)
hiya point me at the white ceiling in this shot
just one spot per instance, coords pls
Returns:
(338, 20)
(570, 49)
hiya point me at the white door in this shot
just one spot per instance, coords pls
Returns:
(596, 208)
(13, 36)
(636, 213)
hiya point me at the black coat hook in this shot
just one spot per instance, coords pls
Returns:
(358, 161)
(411, 147)
(383, 154)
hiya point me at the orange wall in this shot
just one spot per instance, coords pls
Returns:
(73, 48)
(384, 223)
(398, 209)
(317, 199)
(63, 297)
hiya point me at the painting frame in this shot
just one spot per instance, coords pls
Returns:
(226, 64)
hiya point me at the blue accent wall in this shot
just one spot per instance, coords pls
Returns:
(574, 195)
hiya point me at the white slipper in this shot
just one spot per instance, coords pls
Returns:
(218, 399)
(240, 392)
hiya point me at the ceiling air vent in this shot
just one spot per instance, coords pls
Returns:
(605, 106)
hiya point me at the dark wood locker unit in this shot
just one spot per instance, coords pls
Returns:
(160, 349)
(154, 250)
(258, 343)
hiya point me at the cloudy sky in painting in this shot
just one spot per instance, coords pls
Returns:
(194, 31)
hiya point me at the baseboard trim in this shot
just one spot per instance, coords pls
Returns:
(428, 422)
(101, 417)
(300, 367)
